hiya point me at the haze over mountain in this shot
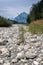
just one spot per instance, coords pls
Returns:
(21, 18)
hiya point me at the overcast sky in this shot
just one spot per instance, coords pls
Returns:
(11, 8)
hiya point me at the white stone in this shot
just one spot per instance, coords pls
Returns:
(26, 47)
(31, 53)
(20, 55)
(4, 50)
(1, 40)
(20, 48)
(33, 39)
(26, 64)
(23, 60)
(1, 61)
(14, 60)
(6, 64)
(35, 63)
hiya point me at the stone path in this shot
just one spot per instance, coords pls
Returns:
(14, 52)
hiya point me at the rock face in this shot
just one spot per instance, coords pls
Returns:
(13, 52)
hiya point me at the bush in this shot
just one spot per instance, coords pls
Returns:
(4, 22)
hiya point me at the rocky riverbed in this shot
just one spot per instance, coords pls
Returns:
(14, 52)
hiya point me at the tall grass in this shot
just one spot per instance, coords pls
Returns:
(36, 27)
(21, 33)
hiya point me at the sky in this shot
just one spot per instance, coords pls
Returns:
(11, 8)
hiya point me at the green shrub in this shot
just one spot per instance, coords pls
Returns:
(4, 22)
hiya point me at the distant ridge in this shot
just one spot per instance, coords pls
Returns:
(21, 18)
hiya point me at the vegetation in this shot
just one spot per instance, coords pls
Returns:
(14, 22)
(21, 33)
(36, 12)
(36, 27)
(35, 18)
(5, 22)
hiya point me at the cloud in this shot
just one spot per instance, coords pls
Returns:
(12, 12)
(11, 8)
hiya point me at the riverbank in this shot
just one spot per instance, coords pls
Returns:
(16, 52)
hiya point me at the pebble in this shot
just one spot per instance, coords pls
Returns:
(20, 55)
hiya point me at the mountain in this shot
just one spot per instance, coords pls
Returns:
(21, 18)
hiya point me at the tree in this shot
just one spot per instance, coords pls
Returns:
(36, 12)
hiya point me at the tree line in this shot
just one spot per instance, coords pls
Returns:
(36, 12)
